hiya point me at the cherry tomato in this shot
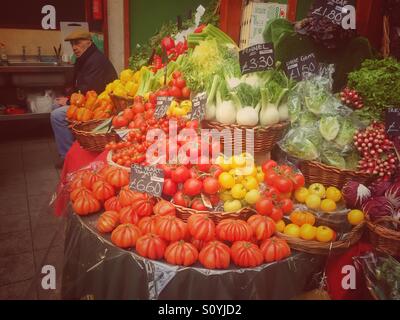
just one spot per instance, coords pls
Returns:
(180, 174)
(192, 187)
(198, 204)
(298, 181)
(283, 184)
(181, 199)
(286, 206)
(210, 185)
(264, 206)
(169, 188)
(269, 164)
(186, 93)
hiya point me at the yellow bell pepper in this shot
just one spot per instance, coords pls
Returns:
(186, 105)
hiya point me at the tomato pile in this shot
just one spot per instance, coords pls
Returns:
(173, 52)
(176, 88)
(281, 181)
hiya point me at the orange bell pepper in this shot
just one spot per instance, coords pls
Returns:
(78, 99)
(91, 98)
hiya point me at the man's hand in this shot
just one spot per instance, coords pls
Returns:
(61, 101)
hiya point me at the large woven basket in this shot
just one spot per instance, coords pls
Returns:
(243, 214)
(90, 141)
(316, 172)
(88, 125)
(114, 164)
(120, 103)
(329, 248)
(383, 238)
(265, 138)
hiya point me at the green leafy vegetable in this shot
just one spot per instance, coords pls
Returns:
(346, 133)
(329, 127)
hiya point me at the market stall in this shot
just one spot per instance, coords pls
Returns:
(181, 195)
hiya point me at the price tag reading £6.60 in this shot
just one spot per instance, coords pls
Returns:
(147, 179)
(259, 57)
(162, 106)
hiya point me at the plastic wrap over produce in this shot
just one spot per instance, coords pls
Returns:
(95, 269)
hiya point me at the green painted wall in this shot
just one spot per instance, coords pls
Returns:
(147, 16)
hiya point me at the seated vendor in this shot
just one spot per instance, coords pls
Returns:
(92, 71)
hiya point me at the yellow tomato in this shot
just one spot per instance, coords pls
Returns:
(259, 174)
(355, 217)
(280, 226)
(313, 201)
(324, 234)
(238, 191)
(232, 206)
(301, 195)
(318, 189)
(292, 230)
(226, 180)
(333, 194)
(223, 162)
(238, 162)
(252, 196)
(328, 205)
(250, 183)
(225, 195)
(308, 232)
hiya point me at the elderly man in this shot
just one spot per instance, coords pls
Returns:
(92, 71)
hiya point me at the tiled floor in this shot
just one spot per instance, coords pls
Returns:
(30, 236)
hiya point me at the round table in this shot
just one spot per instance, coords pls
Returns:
(96, 269)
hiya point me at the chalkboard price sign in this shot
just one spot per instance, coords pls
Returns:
(331, 9)
(199, 107)
(259, 57)
(147, 179)
(162, 106)
(298, 67)
(392, 122)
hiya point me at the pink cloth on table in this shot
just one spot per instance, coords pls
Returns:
(76, 159)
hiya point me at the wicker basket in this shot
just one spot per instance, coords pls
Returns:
(90, 141)
(382, 238)
(112, 163)
(321, 248)
(120, 103)
(265, 138)
(316, 172)
(243, 214)
(88, 125)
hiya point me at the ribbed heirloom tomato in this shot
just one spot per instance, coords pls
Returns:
(112, 204)
(233, 230)
(143, 204)
(275, 249)
(148, 224)
(215, 255)
(151, 246)
(129, 215)
(181, 253)
(86, 204)
(201, 227)
(164, 208)
(263, 227)
(246, 254)
(78, 192)
(108, 221)
(125, 235)
(171, 228)
(118, 178)
(126, 197)
(102, 190)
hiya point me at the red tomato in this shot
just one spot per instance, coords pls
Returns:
(169, 187)
(153, 99)
(269, 164)
(264, 206)
(181, 199)
(272, 192)
(198, 204)
(175, 92)
(162, 93)
(167, 170)
(180, 83)
(214, 199)
(286, 205)
(186, 93)
(286, 170)
(270, 177)
(298, 181)
(283, 184)
(138, 99)
(176, 74)
(138, 107)
(276, 214)
(148, 106)
(128, 114)
(119, 122)
(204, 164)
(131, 125)
(180, 174)
(210, 185)
(192, 187)
(215, 171)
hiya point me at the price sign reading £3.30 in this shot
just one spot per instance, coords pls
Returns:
(147, 179)
(298, 67)
(259, 57)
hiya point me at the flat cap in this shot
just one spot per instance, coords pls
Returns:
(78, 34)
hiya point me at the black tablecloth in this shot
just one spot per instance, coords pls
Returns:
(96, 269)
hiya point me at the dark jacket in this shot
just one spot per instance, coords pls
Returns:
(93, 71)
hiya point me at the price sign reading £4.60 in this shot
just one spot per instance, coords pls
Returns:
(259, 57)
(298, 67)
(147, 179)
